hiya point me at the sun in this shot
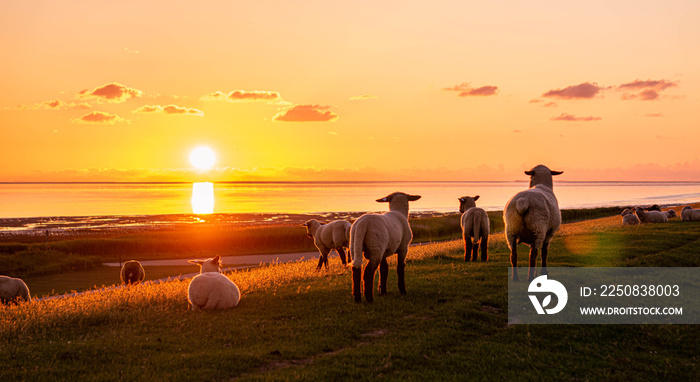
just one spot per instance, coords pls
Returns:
(202, 157)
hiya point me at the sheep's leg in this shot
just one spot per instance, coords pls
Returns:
(513, 244)
(484, 248)
(467, 247)
(533, 263)
(545, 247)
(341, 253)
(383, 274)
(356, 284)
(323, 259)
(401, 268)
(475, 251)
(368, 277)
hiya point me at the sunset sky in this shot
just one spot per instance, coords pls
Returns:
(361, 90)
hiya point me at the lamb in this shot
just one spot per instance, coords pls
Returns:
(650, 216)
(475, 228)
(378, 237)
(628, 217)
(689, 214)
(132, 272)
(532, 217)
(334, 235)
(210, 289)
(13, 290)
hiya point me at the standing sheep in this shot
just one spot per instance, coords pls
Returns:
(334, 235)
(689, 214)
(378, 237)
(475, 227)
(650, 216)
(13, 290)
(628, 217)
(532, 217)
(132, 272)
(210, 289)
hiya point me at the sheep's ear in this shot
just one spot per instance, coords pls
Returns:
(461, 200)
(198, 262)
(413, 198)
(216, 259)
(529, 173)
(476, 198)
(383, 200)
(556, 172)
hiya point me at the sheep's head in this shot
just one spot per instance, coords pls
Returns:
(686, 208)
(541, 174)
(467, 202)
(208, 265)
(311, 226)
(626, 212)
(653, 207)
(639, 210)
(398, 201)
(672, 214)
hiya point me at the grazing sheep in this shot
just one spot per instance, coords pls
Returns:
(334, 235)
(650, 216)
(210, 289)
(689, 214)
(378, 237)
(132, 272)
(670, 214)
(628, 217)
(532, 217)
(475, 228)
(13, 290)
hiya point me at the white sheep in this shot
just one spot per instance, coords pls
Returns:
(210, 289)
(13, 290)
(650, 216)
(379, 236)
(628, 217)
(532, 217)
(334, 235)
(689, 214)
(132, 272)
(475, 228)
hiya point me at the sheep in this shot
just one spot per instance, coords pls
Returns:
(210, 289)
(532, 217)
(379, 236)
(628, 217)
(670, 214)
(689, 214)
(475, 228)
(654, 207)
(132, 272)
(13, 290)
(650, 216)
(334, 235)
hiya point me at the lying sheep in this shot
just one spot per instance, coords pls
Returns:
(132, 272)
(670, 214)
(654, 207)
(628, 217)
(13, 290)
(650, 216)
(210, 289)
(532, 217)
(689, 214)
(475, 228)
(334, 235)
(378, 237)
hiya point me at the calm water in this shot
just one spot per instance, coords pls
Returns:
(32, 200)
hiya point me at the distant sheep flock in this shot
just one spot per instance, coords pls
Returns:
(531, 216)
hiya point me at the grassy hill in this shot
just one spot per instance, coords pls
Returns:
(295, 323)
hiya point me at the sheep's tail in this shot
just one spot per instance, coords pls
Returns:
(476, 230)
(357, 236)
(522, 205)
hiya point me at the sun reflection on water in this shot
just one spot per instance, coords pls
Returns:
(202, 198)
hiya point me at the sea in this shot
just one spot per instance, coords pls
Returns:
(25, 200)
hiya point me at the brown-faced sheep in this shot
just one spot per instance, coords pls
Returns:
(132, 272)
(378, 237)
(334, 235)
(210, 289)
(532, 217)
(13, 290)
(475, 228)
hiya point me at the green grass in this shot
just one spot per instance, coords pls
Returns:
(295, 323)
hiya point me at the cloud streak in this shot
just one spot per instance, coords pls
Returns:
(244, 96)
(586, 90)
(112, 92)
(99, 118)
(573, 118)
(363, 97)
(648, 90)
(306, 113)
(466, 90)
(169, 109)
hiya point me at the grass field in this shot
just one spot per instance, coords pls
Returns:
(295, 323)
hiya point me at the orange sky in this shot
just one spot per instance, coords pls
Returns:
(380, 90)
